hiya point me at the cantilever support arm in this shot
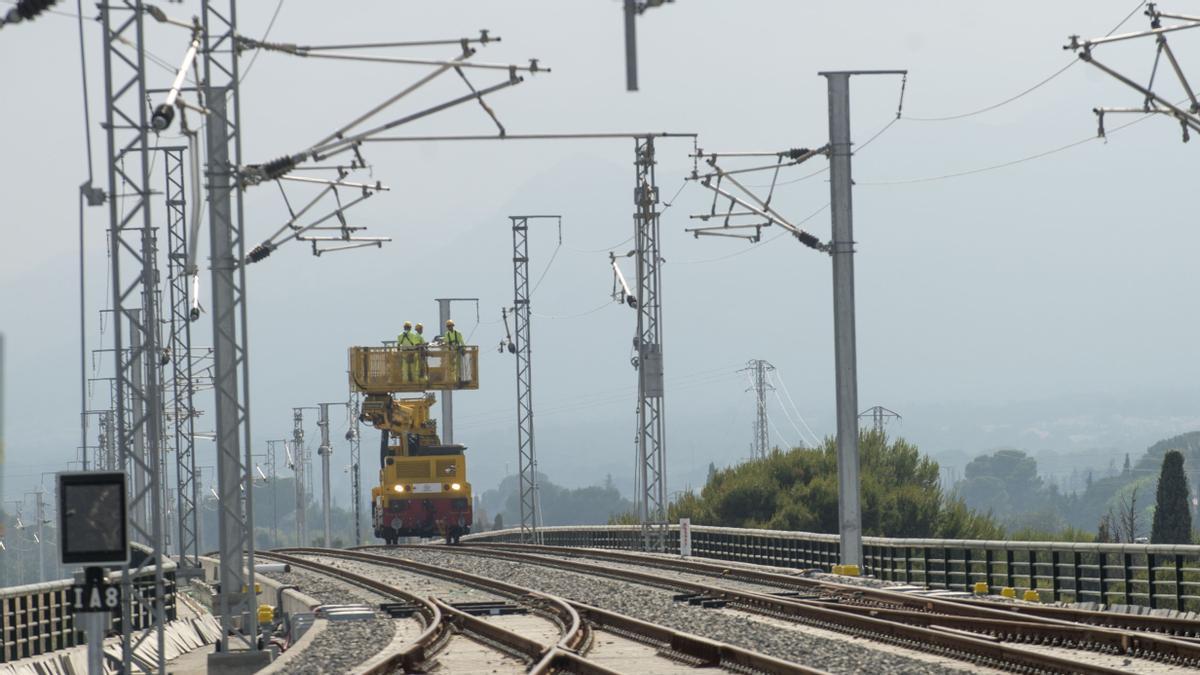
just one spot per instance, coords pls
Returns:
(1179, 113)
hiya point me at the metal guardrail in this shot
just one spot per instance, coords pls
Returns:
(38, 619)
(385, 370)
(1155, 576)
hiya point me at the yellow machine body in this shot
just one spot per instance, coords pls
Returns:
(422, 489)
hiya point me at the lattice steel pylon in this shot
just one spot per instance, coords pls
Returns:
(231, 375)
(531, 509)
(760, 385)
(299, 468)
(354, 437)
(879, 416)
(133, 253)
(182, 409)
(651, 441)
(1152, 102)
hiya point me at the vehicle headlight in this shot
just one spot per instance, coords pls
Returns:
(455, 486)
(398, 488)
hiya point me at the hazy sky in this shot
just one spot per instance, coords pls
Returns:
(1045, 304)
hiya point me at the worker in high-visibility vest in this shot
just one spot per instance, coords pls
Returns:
(454, 343)
(419, 328)
(408, 342)
(451, 337)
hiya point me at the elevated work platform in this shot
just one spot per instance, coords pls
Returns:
(387, 370)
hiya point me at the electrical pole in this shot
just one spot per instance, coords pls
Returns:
(758, 369)
(299, 469)
(231, 366)
(531, 510)
(650, 467)
(841, 249)
(41, 534)
(182, 389)
(448, 395)
(633, 8)
(272, 451)
(134, 284)
(651, 443)
(354, 436)
(137, 406)
(630, 16)
(325, 450)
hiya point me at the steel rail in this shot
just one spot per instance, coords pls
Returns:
(565, 654)
(962, 606)
(527, 648)
(868, 620)
(575, 633)
(1087, 627)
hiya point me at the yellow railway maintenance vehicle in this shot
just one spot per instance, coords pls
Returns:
(423, 489)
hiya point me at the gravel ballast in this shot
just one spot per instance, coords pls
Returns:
(343, 644)
(846, 655)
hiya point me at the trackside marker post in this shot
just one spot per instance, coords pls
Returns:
(94, 531)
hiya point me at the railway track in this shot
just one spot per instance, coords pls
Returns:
(582, 627)
(990, 634)
(1171, 626)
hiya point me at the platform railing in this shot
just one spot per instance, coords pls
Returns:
(38, 619)
(1149, 575)
(383, 370)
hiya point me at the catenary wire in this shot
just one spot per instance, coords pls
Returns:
(1029, 90)
(603, 249)
(1001, 165)
(545, 271)
(572, 316)
(606, 249)
(266, 34)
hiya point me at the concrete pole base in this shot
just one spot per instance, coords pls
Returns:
(238, 663)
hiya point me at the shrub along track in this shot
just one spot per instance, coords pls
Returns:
(578, 622)
(972, 631)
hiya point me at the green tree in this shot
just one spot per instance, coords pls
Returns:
(1006, 482)
(1172, 520)
(797, 490)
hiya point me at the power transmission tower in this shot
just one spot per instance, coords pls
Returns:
(1152, 102)
(760, 385)
(135, 311)
(448, 395)
(879, 416)
(651, 441)
(531, 511)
